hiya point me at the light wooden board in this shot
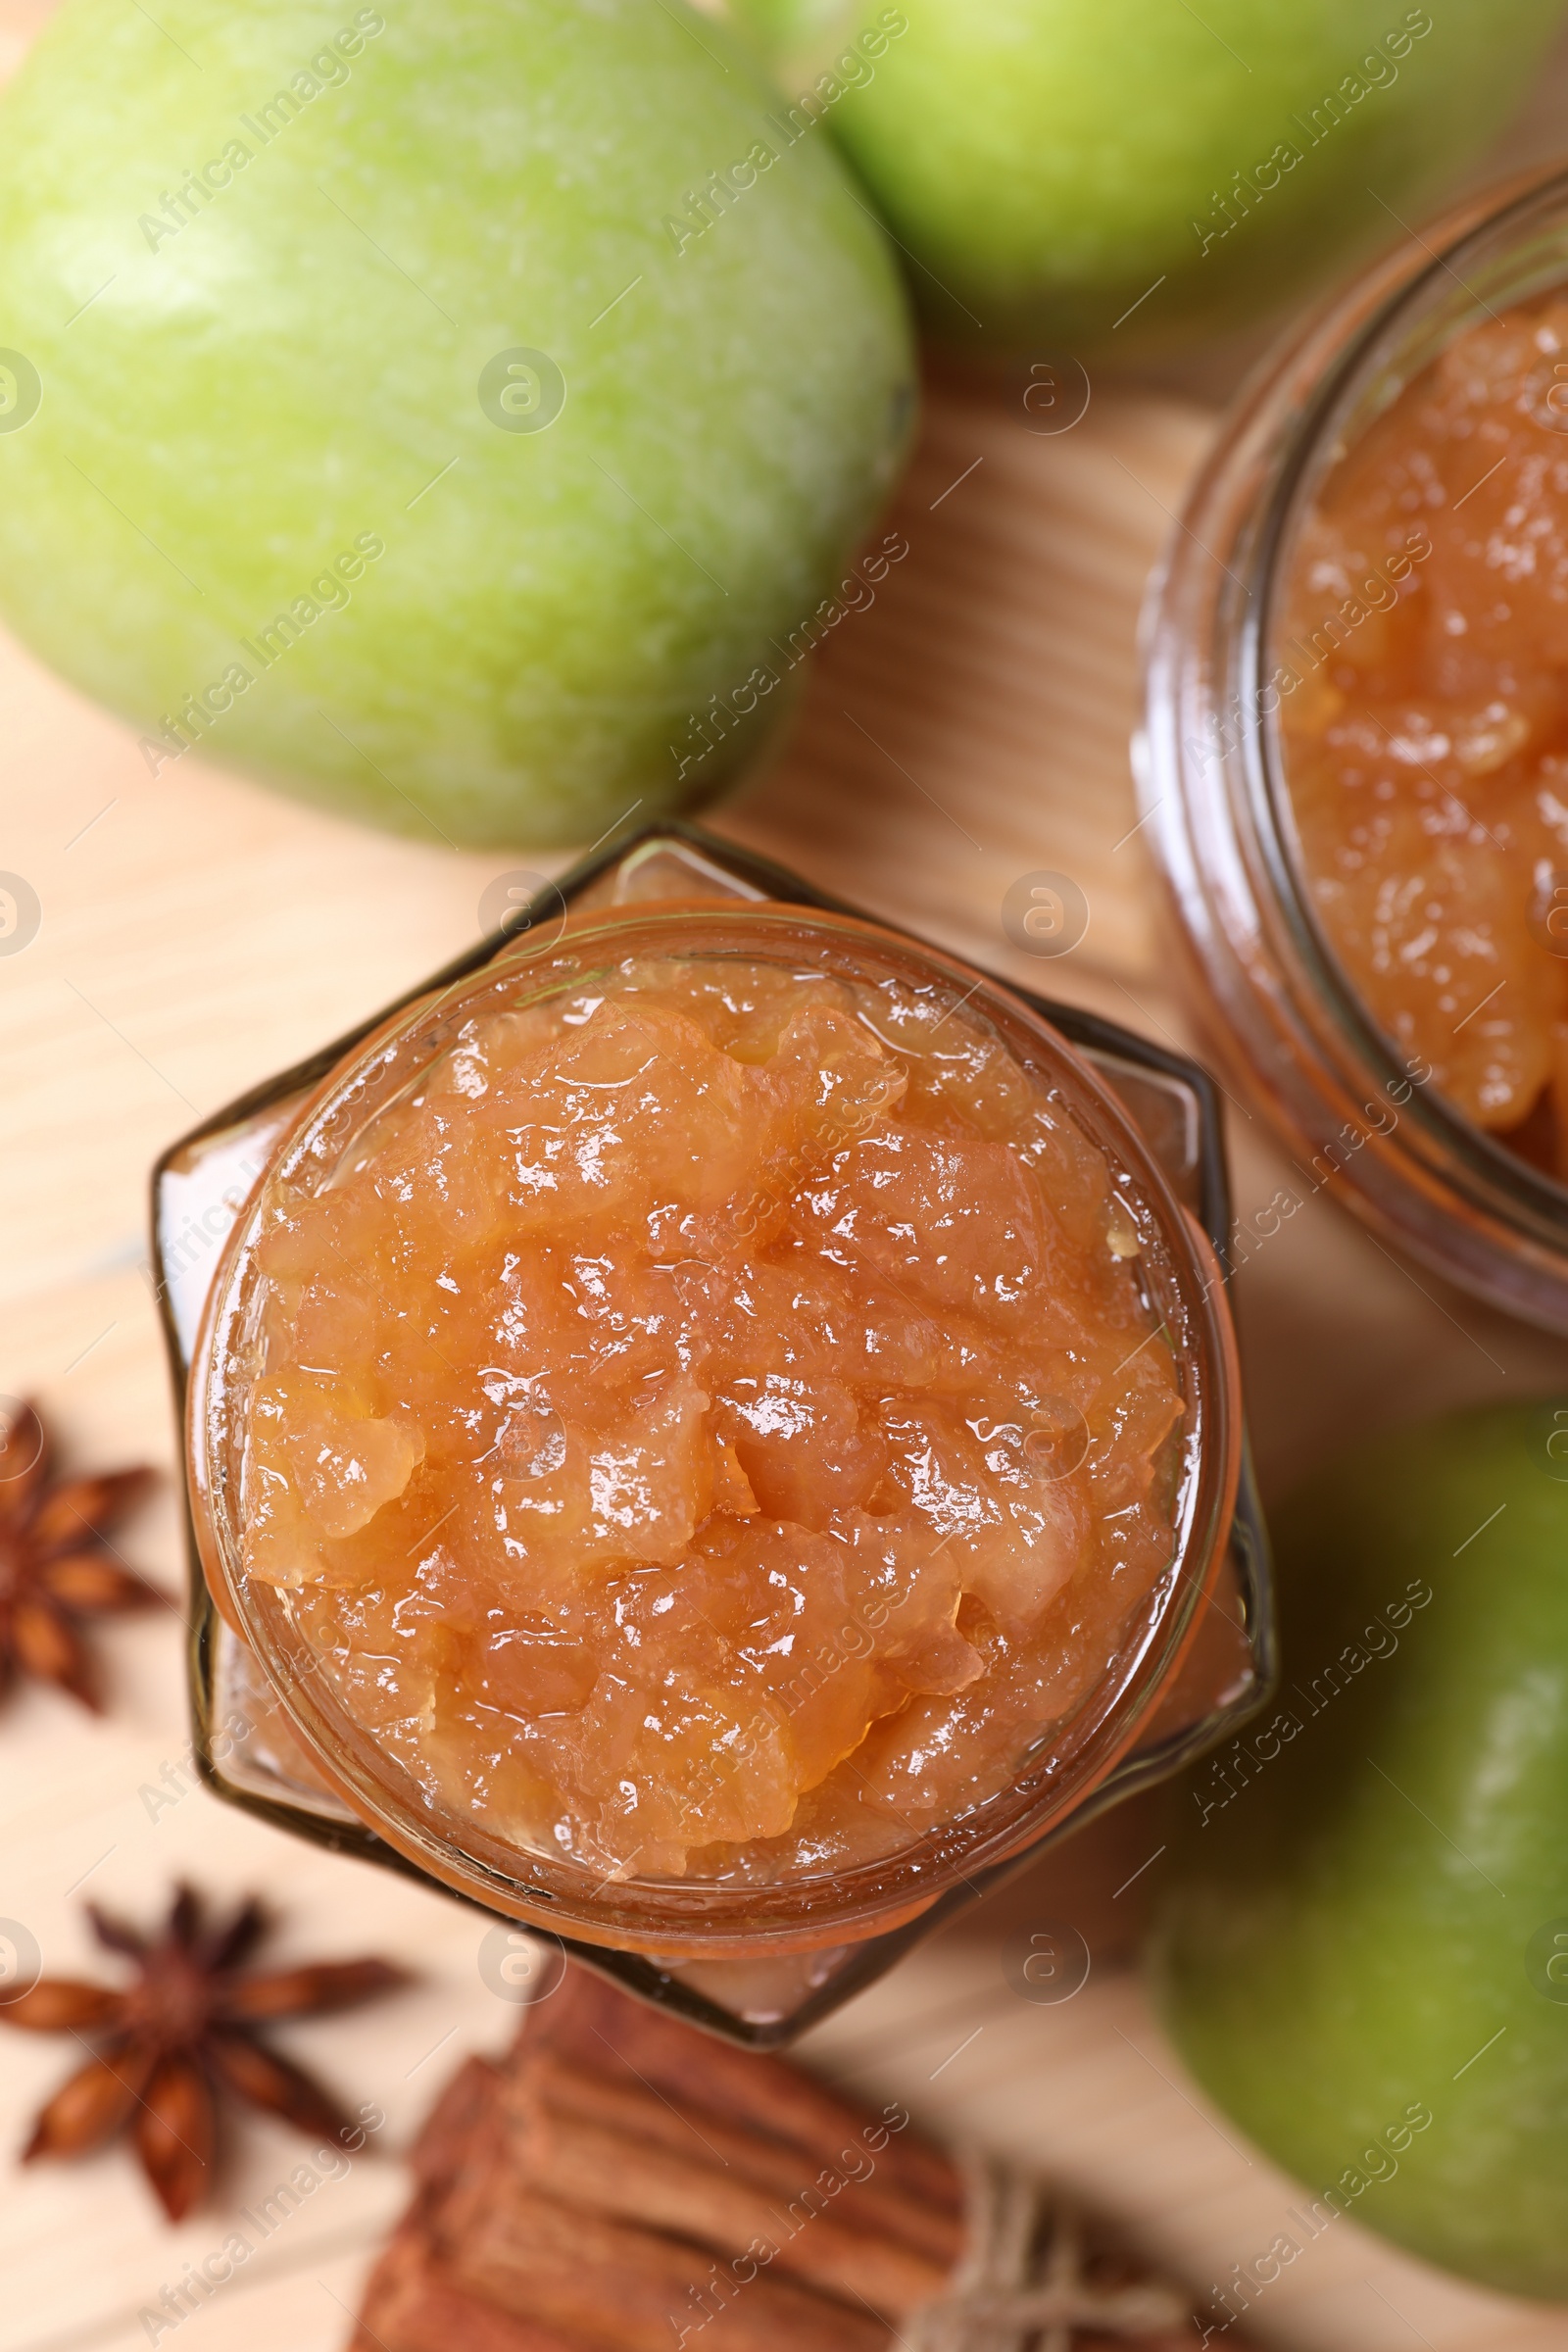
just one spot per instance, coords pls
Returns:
(970, 728)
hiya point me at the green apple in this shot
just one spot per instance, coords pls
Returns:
(456, 415)
(1049, 164)
(1363, 1952)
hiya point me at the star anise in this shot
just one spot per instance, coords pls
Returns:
(55, 1567)
(179, 2038)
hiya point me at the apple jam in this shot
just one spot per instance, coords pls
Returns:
(711, 1422)
(1425, 628)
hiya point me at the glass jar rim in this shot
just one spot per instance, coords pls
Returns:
(705, 1918)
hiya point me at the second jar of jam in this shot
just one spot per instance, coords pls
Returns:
(1356, 758)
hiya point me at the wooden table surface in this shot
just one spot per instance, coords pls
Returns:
(198, 934)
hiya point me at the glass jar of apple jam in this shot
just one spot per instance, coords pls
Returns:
(1355, 756)
(714, 1427)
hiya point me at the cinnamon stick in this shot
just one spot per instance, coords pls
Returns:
(697, 2195)
(448, 2130)
(591, 2023)
(632, 2290)
(622, 2184)
(413, 2305)
(622, 2102)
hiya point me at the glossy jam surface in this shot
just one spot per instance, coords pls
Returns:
(713, 1424)
(1425, 625)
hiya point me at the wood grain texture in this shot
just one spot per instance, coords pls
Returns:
(969, 728)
